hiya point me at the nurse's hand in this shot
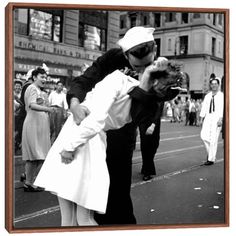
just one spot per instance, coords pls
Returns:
(219, 123)
(79, 111)
(66, 157)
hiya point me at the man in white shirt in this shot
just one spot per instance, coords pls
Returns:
(57, 99)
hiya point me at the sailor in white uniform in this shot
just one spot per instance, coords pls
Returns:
(211, 116)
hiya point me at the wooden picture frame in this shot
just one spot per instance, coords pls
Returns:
(9, 117)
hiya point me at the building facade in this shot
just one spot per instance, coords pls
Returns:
(196, 39)
(65, 40)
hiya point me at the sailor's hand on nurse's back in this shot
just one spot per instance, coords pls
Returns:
(79, 111)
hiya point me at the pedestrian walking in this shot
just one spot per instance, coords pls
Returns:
(198, 105)
(176, 111)
(211, 119)
(186, 110)
(192, 112)
(169, 110)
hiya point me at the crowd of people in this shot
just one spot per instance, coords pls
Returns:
(85, 159)
(39, 116)
(54, 97)
(185, 110)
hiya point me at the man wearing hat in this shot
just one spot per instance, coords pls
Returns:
(137, 51)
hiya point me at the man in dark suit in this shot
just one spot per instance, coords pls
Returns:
(149, 141)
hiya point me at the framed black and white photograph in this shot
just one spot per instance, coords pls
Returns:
(116, 117)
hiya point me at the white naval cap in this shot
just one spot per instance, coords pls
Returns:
(216, 78)
(45, 67)
(135, 36)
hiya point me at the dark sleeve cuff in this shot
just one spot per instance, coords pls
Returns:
(69, 96)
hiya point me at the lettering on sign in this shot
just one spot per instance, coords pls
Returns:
(57, 49)
(52, 70)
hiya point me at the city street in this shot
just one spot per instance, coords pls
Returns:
(184, 191)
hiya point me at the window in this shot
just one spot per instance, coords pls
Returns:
(122, 24)
(57, 29)
(95, 18)
(183, 45)
(92, 37)
(132, 21)
(158, 43)
(122, 21)
(170, 16)
(93, 29)
(196, 15)
(169, 44)
(157, 20)
(220, 19)
(184, 18)
(213, 46)
(81, 35)
(145, 20)
(21, 21)
(214, 19)
(45, 25)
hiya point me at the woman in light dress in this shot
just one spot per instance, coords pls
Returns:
(36, 132)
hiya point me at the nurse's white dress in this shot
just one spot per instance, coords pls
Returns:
(85, 180)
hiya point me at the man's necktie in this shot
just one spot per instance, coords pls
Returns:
(212, 104)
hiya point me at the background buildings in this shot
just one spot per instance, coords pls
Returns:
(65, 40)
(196, 39)
(68, 40)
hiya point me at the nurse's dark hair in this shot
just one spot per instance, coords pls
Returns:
(141, 50)
(173, 69)
(38, 70)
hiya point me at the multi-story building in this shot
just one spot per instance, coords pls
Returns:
(64, 40)
(196, 39)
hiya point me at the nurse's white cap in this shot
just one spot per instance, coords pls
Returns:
(135, 36)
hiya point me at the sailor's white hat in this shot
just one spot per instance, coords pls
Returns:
(135, 36)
